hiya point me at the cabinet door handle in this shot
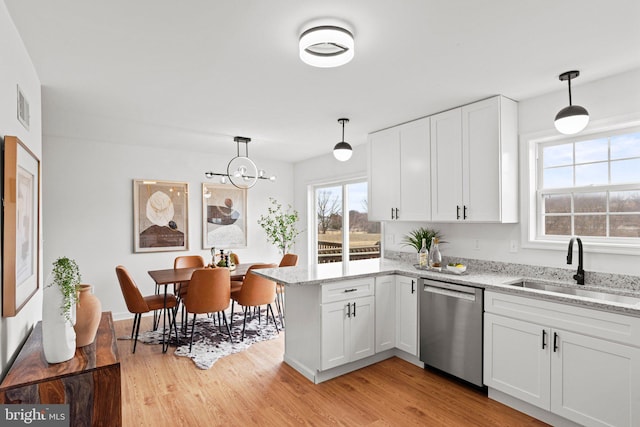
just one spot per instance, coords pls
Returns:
(464, 212)
(544, 338)
(392, 217)
(457, 211)
(413, 289)
(348, 309)
(397, 216)
(354, 309)
(555, 342)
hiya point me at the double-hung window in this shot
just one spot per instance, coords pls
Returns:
(589, 186)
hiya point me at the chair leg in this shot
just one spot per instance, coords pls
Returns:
(224, 317)
(231, 315)
(280, 307)
(193, 328)
(272, 316)
(244, 324)
(138, 316)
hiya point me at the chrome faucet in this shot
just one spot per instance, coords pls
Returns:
(579, 276)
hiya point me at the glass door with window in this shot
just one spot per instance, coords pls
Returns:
(342, 222)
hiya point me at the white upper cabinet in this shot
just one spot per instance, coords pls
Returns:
(474, 162)
(446, 165)
(458, 165)
(399, 176)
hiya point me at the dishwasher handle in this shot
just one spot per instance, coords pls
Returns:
(450, 292)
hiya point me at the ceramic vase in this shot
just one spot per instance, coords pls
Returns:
(58, 336)
(88, 313)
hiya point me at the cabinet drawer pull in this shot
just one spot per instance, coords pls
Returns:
(350, 290)
(555, 342)
(544, 338)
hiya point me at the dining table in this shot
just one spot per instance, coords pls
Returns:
(170, 276)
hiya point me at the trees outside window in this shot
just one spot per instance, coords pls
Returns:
(335, 230)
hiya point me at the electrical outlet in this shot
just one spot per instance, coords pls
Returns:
(390, 239)
(513, 246)
(476, 244)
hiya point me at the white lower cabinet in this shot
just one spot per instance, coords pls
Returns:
(407, 314)
(347, 331)
(385, 313)
(580, 364)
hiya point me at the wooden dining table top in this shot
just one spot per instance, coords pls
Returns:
(177, 275)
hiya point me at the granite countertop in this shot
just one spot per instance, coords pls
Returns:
(500, 282)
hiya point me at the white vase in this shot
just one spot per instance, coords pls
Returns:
(58, 336)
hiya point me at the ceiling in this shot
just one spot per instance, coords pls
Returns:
(195, 73)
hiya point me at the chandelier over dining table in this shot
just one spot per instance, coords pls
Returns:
(242, 172)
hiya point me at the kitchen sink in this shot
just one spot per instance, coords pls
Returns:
(573, 290)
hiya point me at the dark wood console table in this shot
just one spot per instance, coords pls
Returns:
(89, 383)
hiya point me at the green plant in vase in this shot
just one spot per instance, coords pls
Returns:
(66, 276)
(414, 238)
(280, 225)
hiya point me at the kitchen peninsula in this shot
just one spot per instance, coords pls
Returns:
(344, 316)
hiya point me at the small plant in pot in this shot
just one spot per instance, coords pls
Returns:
(66, 276)
(60, 297)
(414, 238)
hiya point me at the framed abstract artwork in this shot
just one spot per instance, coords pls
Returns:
(21, 243)
(224, 216)
(160, 216)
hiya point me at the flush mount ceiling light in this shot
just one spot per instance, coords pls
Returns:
(326, 46)
(241, 170)
(342, 151)
(574, 118)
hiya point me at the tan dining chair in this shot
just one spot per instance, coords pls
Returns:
(237, 284)
(209, 292)
(288, 260)
(255, 292)
(186, 261)
(181, 289)
(138, 304)
(234, 258)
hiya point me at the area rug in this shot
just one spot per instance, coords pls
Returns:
(211, 342)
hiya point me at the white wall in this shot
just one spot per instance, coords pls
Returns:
(88, 208)
(16, 69)
(607, 98)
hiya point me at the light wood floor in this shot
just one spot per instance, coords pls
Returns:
(256, 387)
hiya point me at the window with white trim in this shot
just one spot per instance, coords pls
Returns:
(589, 186)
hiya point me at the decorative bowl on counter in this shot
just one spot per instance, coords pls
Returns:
(457, 268)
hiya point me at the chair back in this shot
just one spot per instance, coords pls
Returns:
(187, 261)
(257, 290)
(132, 296)
(209, 291)
(234, 258)
(289, 260)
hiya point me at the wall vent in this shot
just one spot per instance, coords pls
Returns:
(23, 109)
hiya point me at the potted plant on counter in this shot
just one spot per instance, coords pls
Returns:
(414, 238)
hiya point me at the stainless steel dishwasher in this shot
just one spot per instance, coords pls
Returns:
(451, 329)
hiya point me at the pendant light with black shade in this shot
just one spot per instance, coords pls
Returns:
(342, 151)
(574, 118)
